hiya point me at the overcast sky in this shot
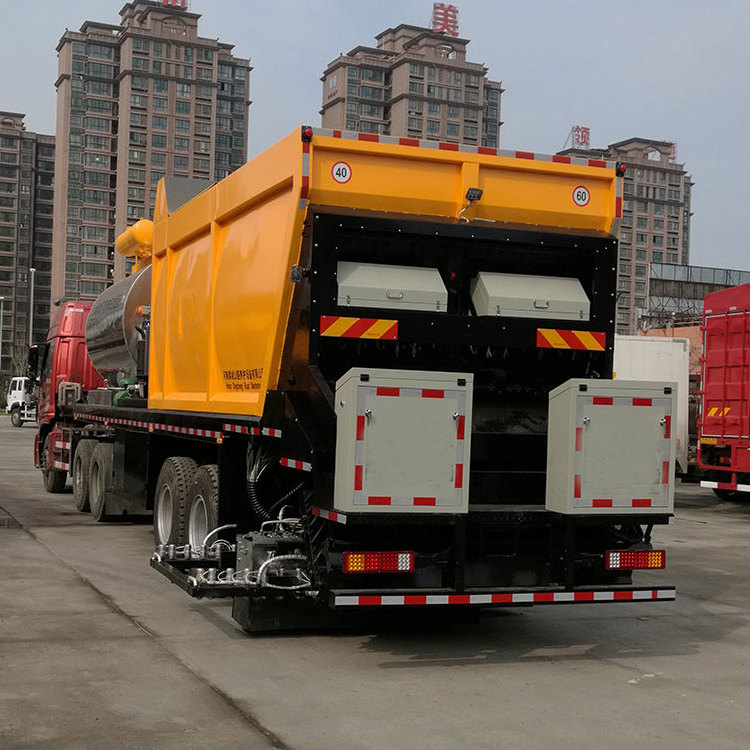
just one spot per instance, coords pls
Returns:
(674, 70)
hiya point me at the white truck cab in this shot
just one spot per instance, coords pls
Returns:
(20, 402)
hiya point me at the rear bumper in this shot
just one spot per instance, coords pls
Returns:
(504, 598)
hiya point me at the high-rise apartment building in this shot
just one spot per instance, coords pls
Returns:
(416, 83)
(27, 171)
(137, 101)
(655, 218)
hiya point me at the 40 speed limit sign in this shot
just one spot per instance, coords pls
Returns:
(581, 195)
(341, 172)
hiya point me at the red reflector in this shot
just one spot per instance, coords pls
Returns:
(378, 562)
(635, 559)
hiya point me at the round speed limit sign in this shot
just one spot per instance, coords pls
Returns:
(341, 172)
(581, 196)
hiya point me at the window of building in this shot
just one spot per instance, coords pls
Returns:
(180, 162)
(204, 110)
(139, 63)
(182, 126)
(433, 126)
(181, 144)
(204, 74)
(657, 240)
(182, 89)
(415, 87)
(204, 92)
(158, 160)
(102, 88)
(470, 131)
(204, 128)
(158, 141)
(371, 74)
(414, 123)
(657, 256)
(640, 255)
(640, 301)
(640, 271)
(160, 104)
(416, 69)
(673, 258)
(640, 238)
(433, 108)
(101, 51)
(136, 100)
(137, 138)
(674, 195)
(639, 286)
(658, 208)
(136, 175)
(452, 130)
(641, 222)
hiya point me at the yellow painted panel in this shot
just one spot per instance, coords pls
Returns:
(188, 322)
(221, 294)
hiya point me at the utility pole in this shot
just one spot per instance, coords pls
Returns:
(32, 271)
(2, 315)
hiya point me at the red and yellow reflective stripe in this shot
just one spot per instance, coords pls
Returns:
(554, 338)
(358, 328)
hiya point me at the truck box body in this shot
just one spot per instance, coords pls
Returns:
(666, 360)
(221, 297)
(724, 418)
(354, 344)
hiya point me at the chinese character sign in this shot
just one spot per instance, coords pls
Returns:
(445, 19)
(581, 137)
(175, 3)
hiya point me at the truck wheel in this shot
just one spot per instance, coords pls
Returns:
(726, 494)
(15, 417)
(100, 479)
(80, 474)
(54, 479)
(203, 504)
(170, 499)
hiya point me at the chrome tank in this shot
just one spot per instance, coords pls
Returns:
(111, 334)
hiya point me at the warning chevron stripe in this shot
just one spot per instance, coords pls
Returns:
(358, 328)
(553, 338)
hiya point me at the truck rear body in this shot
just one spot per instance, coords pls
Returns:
(724, 419)
(396, 356)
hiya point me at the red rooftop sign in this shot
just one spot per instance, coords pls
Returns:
(445, 19)
(175, 3)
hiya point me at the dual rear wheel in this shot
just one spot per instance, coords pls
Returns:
(186, 502)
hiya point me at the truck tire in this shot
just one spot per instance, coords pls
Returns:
(80, 474)
(100, 479)
(203, 504)
(170, 499)
(54, 479)
(726, 494)
(15, 417)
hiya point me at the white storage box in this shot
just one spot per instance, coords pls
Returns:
(403, 441)
(513, 295)
(610, 447)
(394, 287)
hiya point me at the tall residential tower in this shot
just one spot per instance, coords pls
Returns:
(27, 173)
(137, 101)
(416, 83)
(655, 218)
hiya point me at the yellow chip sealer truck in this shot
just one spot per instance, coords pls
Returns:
(365, 373)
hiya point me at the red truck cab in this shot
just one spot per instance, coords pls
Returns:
(64, 359)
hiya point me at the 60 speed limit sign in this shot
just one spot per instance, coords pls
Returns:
(341, 172)
(581, 196)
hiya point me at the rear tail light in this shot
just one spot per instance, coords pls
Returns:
(378, 562)
(635, 559)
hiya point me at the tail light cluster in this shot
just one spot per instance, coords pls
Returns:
(635, 559)
(378, 562)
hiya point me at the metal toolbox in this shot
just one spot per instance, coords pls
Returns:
(610, 447)
(396, 287)
(403, 441)
(513, 295)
